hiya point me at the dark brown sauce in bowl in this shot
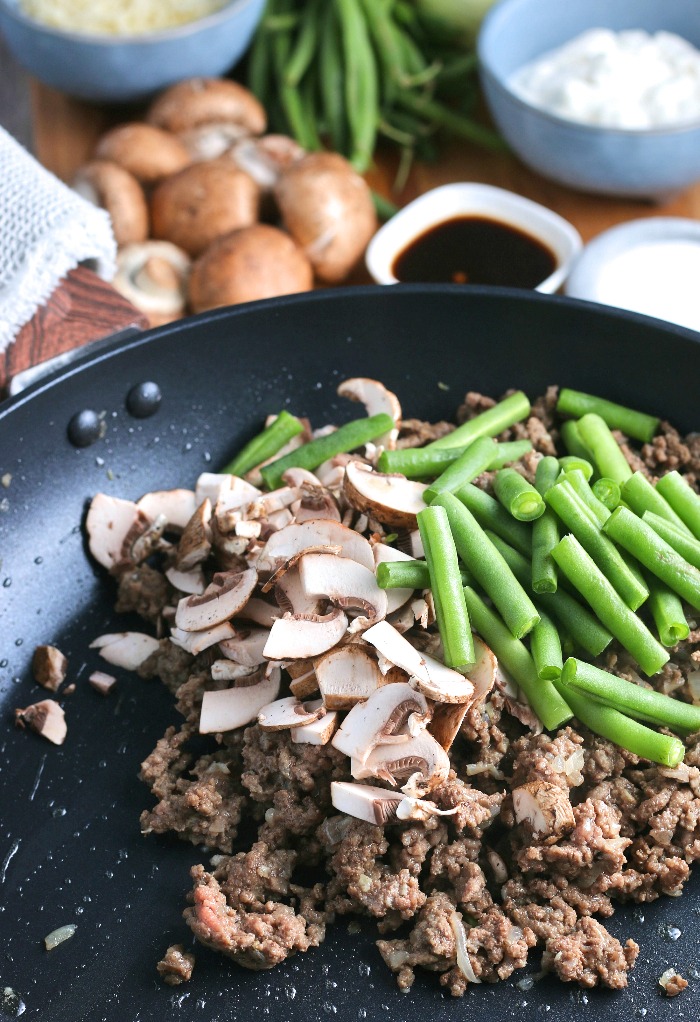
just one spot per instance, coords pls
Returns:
(474, 250)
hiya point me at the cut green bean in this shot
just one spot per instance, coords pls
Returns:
(544, 699)
(683, 500)
(410, 575)
(607, 491)
(489, 423)
(475, 460)
(605, 450)
(509, 451)
(488, 567)
(422, 462)
(571, 462)
(640, 496)
(446, 586)
(490, 515)
(637, 425)
(572, 440)
(346, 438)
(582, 571)
(667, 611)
(682, 543)
(517, 495)
(564, 501)
(545, 647)
(545, 532)
(265, 445)
(577, 481)
(629, 697)
(622, 730)
(640, 540)
(583, 628)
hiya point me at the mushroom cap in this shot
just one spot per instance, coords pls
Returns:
(255, 262)
(327, 207)
(231, 708)
(196, 101)
(153, 275)
(226, 595)
(110, 186)
(391, 499)
(344, 582)
(294, 637)
(211, 140)
(377, 399)
(265, 158)
(201, 203)
(145, 151)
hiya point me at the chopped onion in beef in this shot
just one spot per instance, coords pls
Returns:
(57, 936)
(463, 961)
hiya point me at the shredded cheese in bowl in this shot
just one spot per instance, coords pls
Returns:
(119, 17)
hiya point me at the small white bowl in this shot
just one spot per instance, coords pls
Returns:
(465, 199)
(650, 266)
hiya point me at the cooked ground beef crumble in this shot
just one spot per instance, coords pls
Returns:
(632, 836)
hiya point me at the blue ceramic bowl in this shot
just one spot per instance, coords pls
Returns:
(122, 68)
(641, 164)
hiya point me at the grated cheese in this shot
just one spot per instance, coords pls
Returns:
(118, 17)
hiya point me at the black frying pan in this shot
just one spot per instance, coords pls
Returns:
(70, 848)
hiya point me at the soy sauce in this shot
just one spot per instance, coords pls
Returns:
(474, 250)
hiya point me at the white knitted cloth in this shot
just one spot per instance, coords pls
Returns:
(45, 231)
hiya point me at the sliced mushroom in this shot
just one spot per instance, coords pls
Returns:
(112, 526)
(446, 721)
(346, 676)
(304, 683)
(147, 152)
(201, 203)
(395, 598)
(187, 581)
(49, 667)
(376, 399)
(391, 499)
(225, 597)
(418, 809)
(228, 670)
(305, 635)
(196, 101)
(319, 532)
(214, 486)
(327, 207)
(195, 542)
(153, 276)
(259, 612)
(125, 649)
(483, 673)
(344, 582)
(248, 262)
(545, 809)
(232, 708)
(46, 718)
(115, 190)
(197, 642)
(246, 646)
(318, 732)
(365, 802)
(177, 506)
(315, 501)
(102, 682)
(391, 713)
(432, 677)
(292, 596)
(286, 713)
(420, 762)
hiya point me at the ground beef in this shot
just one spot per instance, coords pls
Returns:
(590, 955)
(674, 985)
(430, 944)
(144, 591)
(176, 965)
(414, 433)
(170, 663)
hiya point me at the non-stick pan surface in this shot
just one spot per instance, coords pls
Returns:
(70, 847)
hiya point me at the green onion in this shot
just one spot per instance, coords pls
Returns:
(265, 445)
(489, 423)
(517, 496)
(446, 585)
(637, 425)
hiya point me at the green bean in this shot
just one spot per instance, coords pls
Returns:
(683, 500)
(517, 496)
(582, 627)
(571, 462)
(346, 438)
(544, 699)
(607, 455)
(306, 43)
(545, 647)
(410, 575)
(490, 515)
(331, 80)
(629, 697)
(488, 567)
(571, 438)
(545, 532)
(608, 492)
(421, 462)
(459, 126)
(640, 496)
(489, 423)
(573, 514)
(685, 545)
(509, 451)
(637, 425)
(475, 460)
(582, 571)
(446, 586)
(577, 482)
(622, 730)
(667, 611)
(361, 83)
(640, 540)
(265, 445)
